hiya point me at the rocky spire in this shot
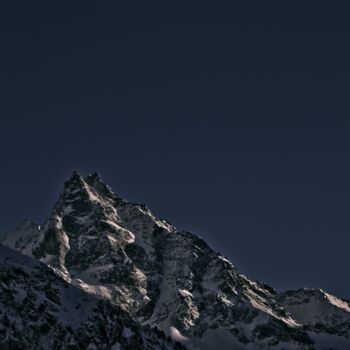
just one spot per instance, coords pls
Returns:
(75, 179)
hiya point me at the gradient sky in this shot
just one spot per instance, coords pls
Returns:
(229, 120)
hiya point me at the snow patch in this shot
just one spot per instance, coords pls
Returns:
(176, 335)
(185, 293)
(338, 302)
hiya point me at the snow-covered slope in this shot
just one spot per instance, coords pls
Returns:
(23, 237)
(161, 277)
(39, 310)
(325, 316)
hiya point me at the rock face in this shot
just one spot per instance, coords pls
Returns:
(39, 310)
(170, 280)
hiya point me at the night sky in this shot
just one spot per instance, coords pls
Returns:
(230, 120)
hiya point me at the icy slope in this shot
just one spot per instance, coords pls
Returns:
(319, 312)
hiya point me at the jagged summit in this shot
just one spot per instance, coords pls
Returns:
(121, 252)
(74, 179)
(90, 183)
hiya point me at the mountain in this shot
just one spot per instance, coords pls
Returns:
(171, 281)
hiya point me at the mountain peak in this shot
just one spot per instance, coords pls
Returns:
(90, 187)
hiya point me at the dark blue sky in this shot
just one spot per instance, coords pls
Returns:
(228, 120)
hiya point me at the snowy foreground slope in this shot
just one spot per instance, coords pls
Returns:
(170, 280)
(39, 310)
